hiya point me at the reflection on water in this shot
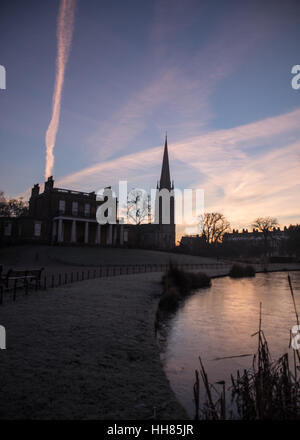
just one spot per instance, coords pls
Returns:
(218, 322)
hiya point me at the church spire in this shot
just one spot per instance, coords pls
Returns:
(165, 180)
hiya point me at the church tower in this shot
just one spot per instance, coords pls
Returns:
(165, 205)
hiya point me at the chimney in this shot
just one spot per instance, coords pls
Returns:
(35, 190)
(49, 184)
(33, 199)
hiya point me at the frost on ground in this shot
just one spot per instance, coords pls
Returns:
(54, 256)
(85, 351)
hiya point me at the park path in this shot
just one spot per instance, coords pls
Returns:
(85, 351)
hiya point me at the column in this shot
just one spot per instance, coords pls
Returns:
(86, 233)
(60, 236)
(115, 229)
(98, 234)
(121, 235)
(109, 235)
(73, 232)
(54, 227)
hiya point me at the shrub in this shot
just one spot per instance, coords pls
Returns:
(185, 281)
(169, 300)
(177, 284)
(198, 280)
(238, 271)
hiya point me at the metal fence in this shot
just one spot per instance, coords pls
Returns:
(58, 279)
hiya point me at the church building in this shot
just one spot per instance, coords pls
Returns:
(59, 216)
(161, 233)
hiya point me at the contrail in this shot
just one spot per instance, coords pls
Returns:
(65, 24)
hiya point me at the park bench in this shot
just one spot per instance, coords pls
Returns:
(26, 277)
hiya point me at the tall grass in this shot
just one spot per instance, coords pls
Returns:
(268, 390)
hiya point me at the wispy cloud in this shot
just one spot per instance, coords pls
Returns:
(236, 182)
(180, 89)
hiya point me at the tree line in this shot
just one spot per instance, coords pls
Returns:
(10, 207)
(214, 225)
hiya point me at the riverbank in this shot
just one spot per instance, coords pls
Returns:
(217, 324)
(87, 351)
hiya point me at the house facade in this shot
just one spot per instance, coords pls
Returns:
(61, 216)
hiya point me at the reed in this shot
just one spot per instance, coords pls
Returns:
(267, 390)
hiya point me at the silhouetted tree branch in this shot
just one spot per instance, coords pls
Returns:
(213, 226)
(137, 206)
(12, 207)
(266, 226)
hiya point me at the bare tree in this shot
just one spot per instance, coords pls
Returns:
(266, 226)
(137, 206)
(12, 207)
(213, 225)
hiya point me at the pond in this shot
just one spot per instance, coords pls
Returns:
(218, 322)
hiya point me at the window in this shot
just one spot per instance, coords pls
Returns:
(87, 209)
(74, 208)
(62, 206)
(7, 229)
(37, 229)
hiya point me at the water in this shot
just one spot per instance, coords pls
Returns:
(219, 321)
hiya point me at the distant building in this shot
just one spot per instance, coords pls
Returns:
(192, 244)
(255, 237)
(248, 239)
(63, 216)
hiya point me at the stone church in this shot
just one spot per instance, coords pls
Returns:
(161, 233)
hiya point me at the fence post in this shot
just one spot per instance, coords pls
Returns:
(66, 278)
(26, 287)
(52, 281)
(15, 290)
(71, 277)
(59, 279)
(1, 295)
(45, 283)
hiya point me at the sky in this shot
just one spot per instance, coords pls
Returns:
(215, 75)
